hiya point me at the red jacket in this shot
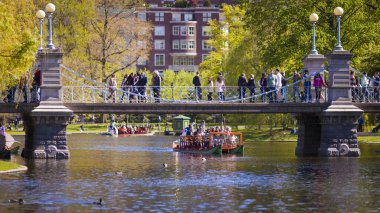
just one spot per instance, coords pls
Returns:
(318, 81)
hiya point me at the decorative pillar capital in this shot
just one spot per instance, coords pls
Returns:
(339, 76)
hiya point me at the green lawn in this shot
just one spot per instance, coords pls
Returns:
(4, 165)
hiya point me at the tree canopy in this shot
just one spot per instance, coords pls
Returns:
(18, 40)
(256, 36)
(284, 31)
(98, 37)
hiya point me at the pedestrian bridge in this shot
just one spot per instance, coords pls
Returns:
(97, 98)
(188, 108)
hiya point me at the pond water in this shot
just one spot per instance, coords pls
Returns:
(127, 173)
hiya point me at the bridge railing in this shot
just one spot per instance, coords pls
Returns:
(294, 92)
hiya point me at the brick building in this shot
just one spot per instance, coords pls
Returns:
(179, 34)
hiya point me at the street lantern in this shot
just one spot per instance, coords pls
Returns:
(50, 8)
(313, 18)
(40, 15)
(338, 12)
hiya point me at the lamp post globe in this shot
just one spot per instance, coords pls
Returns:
(40, 15)
(313, 18)
(338, 12)
(50, 8)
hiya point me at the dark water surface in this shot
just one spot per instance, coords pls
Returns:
(269, 178)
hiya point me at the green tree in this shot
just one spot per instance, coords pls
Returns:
(234, 47)
(18, 40)
(284, 31)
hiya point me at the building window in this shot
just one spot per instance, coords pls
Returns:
(191, 30)
(206, 31)
(159, 30)
(141, 16)
(159, 44)
(176, 17)
(206, 45)
(183, 30)
(159, 16)
(175, 30)
(191, 45)
(183, 60)
(189, 17)
(183, 44)
(206, 17)
(204, 57)
(175, 44)
(159, 60)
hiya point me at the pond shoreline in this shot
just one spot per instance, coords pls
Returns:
(20, 169)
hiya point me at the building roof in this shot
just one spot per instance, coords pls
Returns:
(181, 117)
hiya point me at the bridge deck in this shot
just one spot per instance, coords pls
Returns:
(189, 108)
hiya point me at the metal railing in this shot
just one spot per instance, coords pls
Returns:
(188, 94)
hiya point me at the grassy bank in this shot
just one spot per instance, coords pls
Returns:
(4, 165)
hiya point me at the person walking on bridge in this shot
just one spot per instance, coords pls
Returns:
(251, 87)
(156, 86)
(376, 83)
(296, 86)
(112, 84)
(278, 78)
(271, 81)
(197, 87)
(364, 83)
(210, 89)
(223, 79)
(263, 86)
(307, 86)
(36, 85)
(318, 84)
(220, 86)
(143, 81)
(242, 83)
(124, 88)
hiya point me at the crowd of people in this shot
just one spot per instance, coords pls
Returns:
(134, 87)
(363, 88)
(23, 88)
(198, 136)
(271, 87)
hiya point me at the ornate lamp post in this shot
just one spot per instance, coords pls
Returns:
(50, 8)
(40, 15)
(338, 12)
(314, 18)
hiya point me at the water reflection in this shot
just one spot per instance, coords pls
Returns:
(128, 174)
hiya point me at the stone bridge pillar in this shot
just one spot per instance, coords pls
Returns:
(309, 134)
(332, 132)
(46, 124)
(339, 120)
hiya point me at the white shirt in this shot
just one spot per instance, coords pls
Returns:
(219, 86)
(278, 80)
